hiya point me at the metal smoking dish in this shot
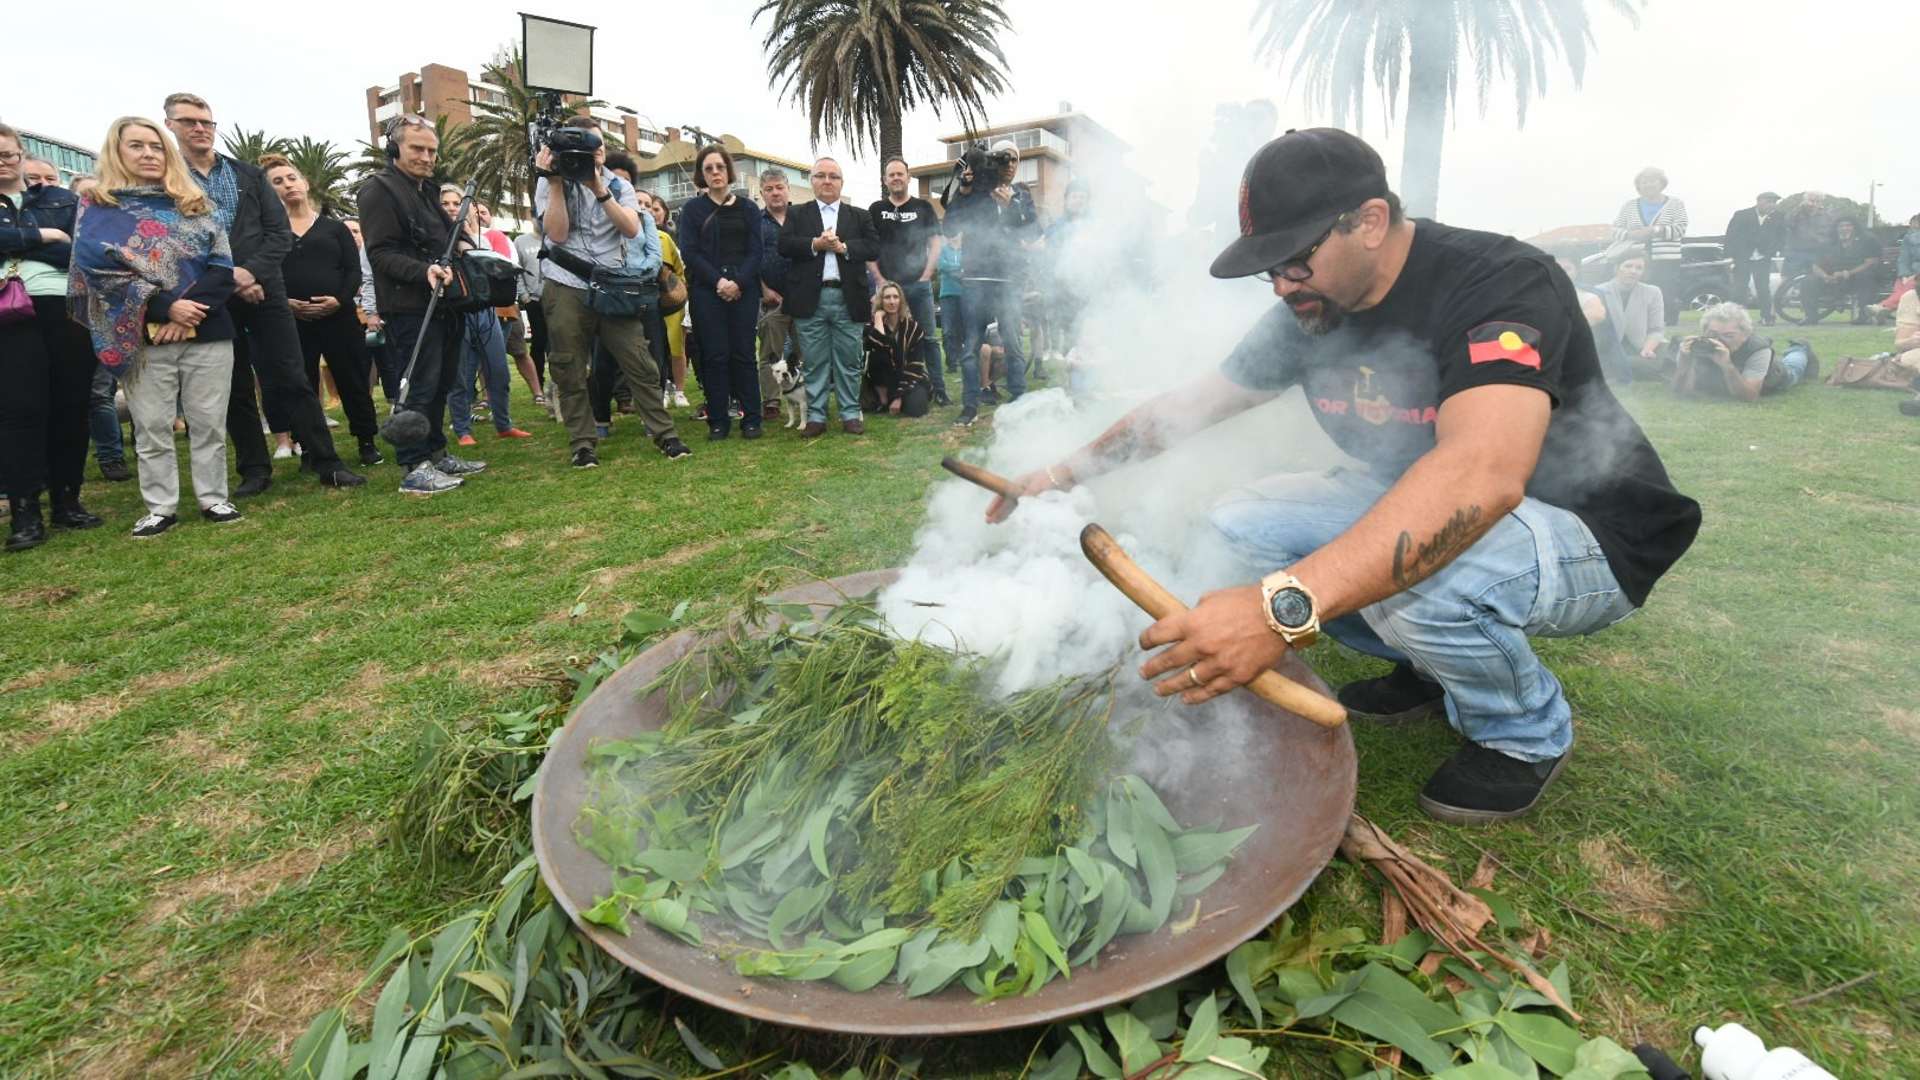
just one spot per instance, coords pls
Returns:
(1294, 777)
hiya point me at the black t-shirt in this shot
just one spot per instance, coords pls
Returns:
(324, 262)
(904, 230)
(730, 233)
(1477, 309)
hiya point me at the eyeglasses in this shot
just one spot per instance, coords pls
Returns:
(190, 123)
(1296, 268)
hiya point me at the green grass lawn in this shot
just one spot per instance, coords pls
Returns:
(204, 737)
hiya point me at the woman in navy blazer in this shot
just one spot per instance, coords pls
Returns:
(720, 238)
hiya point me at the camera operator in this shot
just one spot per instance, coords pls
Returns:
(406, 235)
(1728, 360)
(589, 217)
(992, 215)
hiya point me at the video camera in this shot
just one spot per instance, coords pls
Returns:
(573, 148)
(556, 59)
(982, 162)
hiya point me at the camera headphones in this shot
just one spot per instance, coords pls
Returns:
(395, 126)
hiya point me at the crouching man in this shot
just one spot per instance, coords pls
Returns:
(1504, 492)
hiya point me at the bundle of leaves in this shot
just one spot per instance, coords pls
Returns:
(866, 807)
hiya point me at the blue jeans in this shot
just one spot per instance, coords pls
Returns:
(1794, 360)
(831, 345)
(990, 302)
(1537, 573)
(103, 420)
(483, 351)
(919, 296)
(953, 329)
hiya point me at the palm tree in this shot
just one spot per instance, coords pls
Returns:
(1339, 46)
(325, 167)
(251, 146)
(498, 156)
(859, 65)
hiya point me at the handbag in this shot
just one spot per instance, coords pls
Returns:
(1882, 372)
(482, 281)
(15, 304)
(673, 290)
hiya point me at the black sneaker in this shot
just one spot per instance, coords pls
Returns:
(716, 434)
(967, 416)
(585, 458)
(749, 432)
(220, 513)
(675, 449)
(1478, 786)
(153, 525)
(340, 477)
(115, 471)
(1394, 698)
(370, 453)
(252, 485)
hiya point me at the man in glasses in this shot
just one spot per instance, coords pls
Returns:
(1504, 492)
(266, 344)
(1728, 360)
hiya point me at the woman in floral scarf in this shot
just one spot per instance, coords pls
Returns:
(151, 275)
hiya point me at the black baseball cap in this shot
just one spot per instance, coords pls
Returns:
(1292, 191)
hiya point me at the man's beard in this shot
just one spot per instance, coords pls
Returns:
(1324, 318)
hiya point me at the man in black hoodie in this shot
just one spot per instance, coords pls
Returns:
(265, 342)
(993, 215)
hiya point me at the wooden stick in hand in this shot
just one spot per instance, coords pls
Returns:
(974, 474)
(1106, 554)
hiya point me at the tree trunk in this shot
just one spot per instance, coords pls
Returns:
(890, 139)
(1432, 43)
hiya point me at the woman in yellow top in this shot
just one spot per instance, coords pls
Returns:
(674, 394)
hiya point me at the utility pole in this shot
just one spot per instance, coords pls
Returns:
(1872, 215)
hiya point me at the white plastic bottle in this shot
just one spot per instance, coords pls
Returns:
(1734, 1053)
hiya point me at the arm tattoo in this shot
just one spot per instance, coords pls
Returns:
(1411, 564)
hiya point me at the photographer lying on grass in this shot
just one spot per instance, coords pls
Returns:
(1728, 360)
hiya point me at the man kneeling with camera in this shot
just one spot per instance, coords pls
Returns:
(1728, 360)
(589, 217)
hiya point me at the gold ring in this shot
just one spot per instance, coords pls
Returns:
(1195, 678)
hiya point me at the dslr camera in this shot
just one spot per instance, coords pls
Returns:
(573, 148)
(1701, 349)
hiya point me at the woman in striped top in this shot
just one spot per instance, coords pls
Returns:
(1659, 221)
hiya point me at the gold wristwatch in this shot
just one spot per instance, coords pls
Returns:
(1291, 609)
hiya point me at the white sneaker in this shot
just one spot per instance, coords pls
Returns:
(666, 397)
(282, 453)
(332, 423)
(680, 399)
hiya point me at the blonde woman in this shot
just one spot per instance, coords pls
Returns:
(150, 280)
(896, 377)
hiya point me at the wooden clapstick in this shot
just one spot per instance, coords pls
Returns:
(974, 474)
(1106, 554)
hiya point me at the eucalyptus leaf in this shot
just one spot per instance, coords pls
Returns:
(1195, 852)
(697, 1048)
(1367, 1011)
(1159, 1009)
(1156, 862)
(388, 1013)
(1548, 1040)
(1064, 1064)
(1203, 1031)
(1099, 1062)
(865, 971)
(1137, 1048)
(1240, 964)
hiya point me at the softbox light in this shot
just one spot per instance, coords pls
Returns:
(556, 55)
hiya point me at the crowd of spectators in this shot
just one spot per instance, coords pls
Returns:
(206, 293)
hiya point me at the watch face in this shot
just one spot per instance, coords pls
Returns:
(1292, 608)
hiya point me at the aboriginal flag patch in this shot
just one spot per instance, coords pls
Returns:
(1513, 342)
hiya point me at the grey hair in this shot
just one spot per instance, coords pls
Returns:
(1731, 312)
(1654, 172)
(776, 173)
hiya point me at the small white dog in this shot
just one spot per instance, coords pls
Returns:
(793, 393)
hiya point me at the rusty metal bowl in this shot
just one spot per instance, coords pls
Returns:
(1293, 777)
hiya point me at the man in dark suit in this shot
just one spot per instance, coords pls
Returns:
(829, 244)
(265, 343)
(1754, 236)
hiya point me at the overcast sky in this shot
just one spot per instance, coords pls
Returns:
(1729, 96)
